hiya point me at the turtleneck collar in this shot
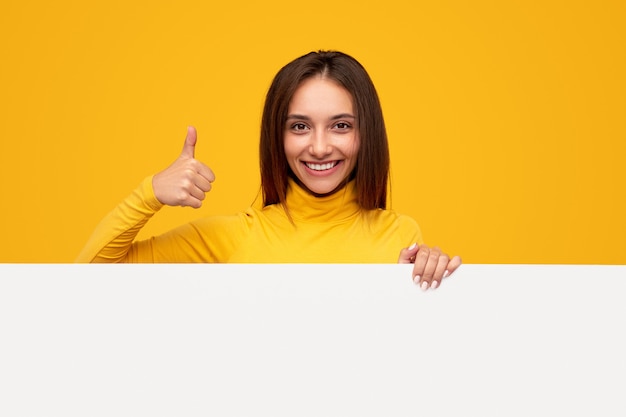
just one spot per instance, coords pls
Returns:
(339, 206)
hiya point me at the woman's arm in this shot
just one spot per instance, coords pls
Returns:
(183, 183)
(113, 237)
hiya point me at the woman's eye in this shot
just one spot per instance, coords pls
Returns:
(343, 126)
(298, 126)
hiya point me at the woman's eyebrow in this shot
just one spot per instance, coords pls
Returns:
(343, 116)
(305, 117)
(298, 117)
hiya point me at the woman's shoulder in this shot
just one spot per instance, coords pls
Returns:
(398, 224)
(393, 215)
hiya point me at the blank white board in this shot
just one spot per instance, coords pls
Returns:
(311, 340)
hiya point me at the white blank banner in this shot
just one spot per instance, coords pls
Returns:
(311, 340)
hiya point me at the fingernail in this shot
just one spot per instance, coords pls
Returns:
(434, 284)
(446, 274)
(412, 246)
(424, 286)
(416, 279)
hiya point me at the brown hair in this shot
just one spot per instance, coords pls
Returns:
(372, 167)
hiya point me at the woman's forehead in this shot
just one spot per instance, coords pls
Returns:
(321, 94)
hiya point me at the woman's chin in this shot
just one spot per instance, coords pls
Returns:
(323, 189)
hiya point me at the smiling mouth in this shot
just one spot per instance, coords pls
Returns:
(321, 167)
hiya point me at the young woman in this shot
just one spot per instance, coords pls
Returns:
(324, 172)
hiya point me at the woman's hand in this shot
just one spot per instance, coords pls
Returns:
(187, 180)
(431, 265)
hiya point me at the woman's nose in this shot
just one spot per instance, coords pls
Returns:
(320, 144)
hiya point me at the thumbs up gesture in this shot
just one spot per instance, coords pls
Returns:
(186, 181)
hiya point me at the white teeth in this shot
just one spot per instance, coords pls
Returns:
(321, 167)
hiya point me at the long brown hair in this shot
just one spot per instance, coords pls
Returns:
(372, 167)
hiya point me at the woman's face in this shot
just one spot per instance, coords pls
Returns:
(321, 135)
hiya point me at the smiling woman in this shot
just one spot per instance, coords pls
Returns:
(324, 172)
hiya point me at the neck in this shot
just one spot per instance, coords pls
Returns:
(303, 205)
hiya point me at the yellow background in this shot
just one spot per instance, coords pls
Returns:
(506, 118)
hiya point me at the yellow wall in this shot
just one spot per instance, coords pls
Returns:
(506, 118)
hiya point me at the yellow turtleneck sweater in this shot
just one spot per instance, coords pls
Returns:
(332, 229)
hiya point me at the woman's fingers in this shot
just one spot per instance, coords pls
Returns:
(441, 263)
(453, 265)
(407, 255)
(431, 265)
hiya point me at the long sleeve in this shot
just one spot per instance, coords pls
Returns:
(113, 237)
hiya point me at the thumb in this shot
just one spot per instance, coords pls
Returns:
(407, 255)
(190, 143)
